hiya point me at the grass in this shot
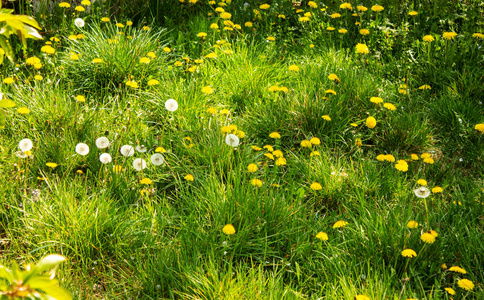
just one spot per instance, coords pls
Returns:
(164, 240)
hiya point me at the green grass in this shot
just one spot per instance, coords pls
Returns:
(164, 240)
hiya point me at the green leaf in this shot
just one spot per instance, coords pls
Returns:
(2, 119)
(6, 47)
(49, 262)
(57, 293)
(5, 103)
(4, 272)
(41, 282)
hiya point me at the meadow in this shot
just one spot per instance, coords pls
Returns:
(197, 149)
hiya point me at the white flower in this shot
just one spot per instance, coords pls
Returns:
(422, 192)
(105, 158)
(102, 142)
(139, 164)
(82, 149)
(141, 148)
(25, 145)
(232, 140)
(21, 154)
(79, 22)
(171, 104)
(127, 150)
(157, 159)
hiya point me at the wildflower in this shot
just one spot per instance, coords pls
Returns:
(86, 2)
(51, 165)
(346, 6)
(314, 153)
(80, 8)
(105, 19)
(256, 182)
(402, 166)
(465, 284)
(315, 141)
(370, 122)
(389, 106)
(102, 142)
(232, 140)
(281, 16)
(129, 23)
(335, 15)
(97, 61)
(305, 144)
(25, 145)
(479, 127)
(189, 177)
(322, 236)
(413, 13)
(207, 90)
(409, 253)
(457, 270)
(354, 125)
(74, 56)
(361, 8)
(362, 297)
(105, 158)
(225, 15)
(64, 5)
(271, 38)
(380, 157)
(294, 68)
(425, 87)
(422, 192)
(38, 77)
(281, 161)
(414, 156)
(389, 158)
(171, 105)
(377, 8)
(252, 168)
(425, 155)
(146, 28)
(47, 49)
(428, 160)
(144, 60)
(152, 82)
(145, 181)
(139, 163)
(269, 155)
(428, 38)
(32, 61)
(362, 48)
(340, 224)
(422, 182)
(427, 238)
(228, 229)
(330, 28)
(449, 290)
(316, 186)
(412, 224)
(157, 159)
(255, 148)
(23, 110)
(326, 117)
(82, 149)
(275, 135)
(269, 148)
(342, 31)
(79, 22)
(358, 143)
(127, 150)
(376, 100)
(330, 91)
(443, 266)
(364, 32)
(478, 35)
(312, 4)
(304, 19)
(264, 6)
(449, 35)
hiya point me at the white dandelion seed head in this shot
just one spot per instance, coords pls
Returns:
(82, 149)
(171, 105)
(139, 164)
(141, 148)
(422, 192)
(157, 159)
(127, 150)
(21, 154)
(232, 140)
(79, 22)
(105, 158)
(102, 142)
(25, 145)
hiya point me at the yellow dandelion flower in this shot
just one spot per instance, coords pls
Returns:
(294, 68)
(315, 186)
(305, 144)
(322, 236)
(377, 8)
(428, 38)
(409, 253)
(315, 141)
(340, 224)
(457, 269)
(314, 153)
(479, 127)
(362, 48)
(275, 135)
(64, 5)
(427, 238)
(422, 182)
(389, 106)
(152, 82)
(189, 177)
(80, 8)
(361, 8)
(412, 224)
(51, 165)
(326, 117)
(370, 122)
(256, 182)
(450, 291)
(437, 189)
(364, 32)
(376, 100)
(207, 90)
(146, 181)
(449, 35)
(252, 168)
(465, 284)
(228, 229)
(23, 110)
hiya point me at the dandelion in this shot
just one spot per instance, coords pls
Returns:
(269, 155)
(315, 186)
(25, 145)
(465, 284)
(422, 192)
(264, 6)
(97, 61)
(413, 13)
(157, 159)
(228, 229)
(428, 38)
(105, 19)
(145, 181)
(402, 166)
(427, 238)
(335, 15)
(139, 163)
(312, 4)
(437, 189)
(322, 236)
(428, 160)
(271, 38)
(86, 2)
(102, 142)
(326, 118)
(422, 182)
(127, 150)
(389, 106)
(305, 144)
(80, 8)
(450, 291)
(449, 35)
(425, 87)
(82, 149)
(105, 158)
(376, 100)
(51, 165)
(330, 28)
(23, 110)
(340, 224)
(152, 82)
(314, 153)
(361, 8)
(275, 135)
(409, 253)
(478, 35)
(64, 5)
(189, 177)
(47, 49)
(342, 31)
(479, 127)
(256, 182)
(79, 22)
(377, 8)
(38, 77)
(141, 148)
(146, 28)
(412, 224)
(389, 158)
(294, 68)
(281, 161)
(207, 90)
(225, 15)
(330, 91)
(252, 168)
(362, 48)
(370, 122)
(346, 6)
(315, 141)
(362, 297)
(457, 270)
(144, 60)
(364, 32)
(171, 105)
(232, 140)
